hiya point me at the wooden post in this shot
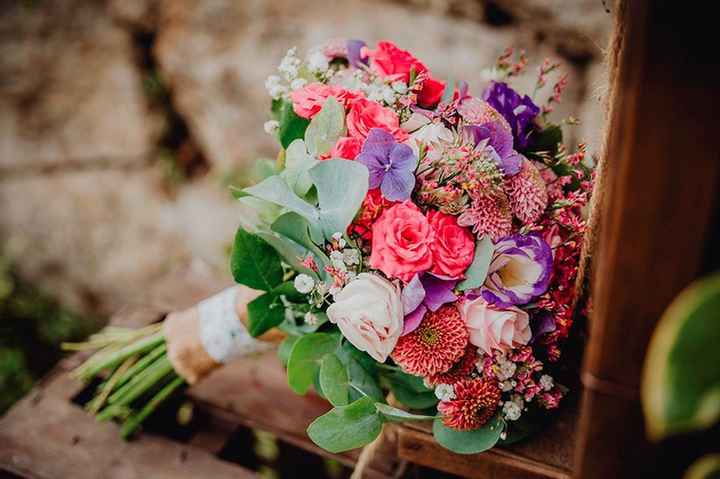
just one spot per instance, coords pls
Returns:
(662, 171)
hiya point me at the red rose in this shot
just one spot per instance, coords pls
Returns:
(431, 93)
(390, 61)
(373, 205)
(401, 242)
(365, 114)
(347, 148)
(454, 246)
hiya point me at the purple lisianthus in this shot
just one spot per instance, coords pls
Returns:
(425, 292)
(391, 165)
(519, 111)
(500, 143)
(520, 270)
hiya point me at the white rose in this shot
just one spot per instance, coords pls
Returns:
(369, 313)
(495, 329)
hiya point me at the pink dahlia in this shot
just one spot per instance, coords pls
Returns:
(527, 193)
(435, 345)
(479, 112)
(460, 370)
(476, 401)
(489, 214)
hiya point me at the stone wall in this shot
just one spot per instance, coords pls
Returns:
(121, 121)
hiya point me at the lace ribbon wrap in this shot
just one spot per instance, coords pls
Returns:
(212, 333)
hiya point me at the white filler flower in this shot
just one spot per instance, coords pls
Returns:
(304, 283)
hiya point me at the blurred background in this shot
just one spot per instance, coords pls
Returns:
(122, 123)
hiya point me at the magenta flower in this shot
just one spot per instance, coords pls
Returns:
(519, 111)
(425, 292)
(391, 165)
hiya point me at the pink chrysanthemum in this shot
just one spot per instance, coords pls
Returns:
(478, 112)
(476, 401)
(489, 214)
(527, 193)
(435, 345)
(460, 370)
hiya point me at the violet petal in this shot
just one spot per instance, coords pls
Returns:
(437, 291)
(354, 53)
(413, 320)
(402, 157)
(375, 166)
(412, 295)
(379, 142)
(397, 185)
(542, 323)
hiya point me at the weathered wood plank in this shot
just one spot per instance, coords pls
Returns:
(662, 172)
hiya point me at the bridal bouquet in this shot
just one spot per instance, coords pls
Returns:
(416, 244)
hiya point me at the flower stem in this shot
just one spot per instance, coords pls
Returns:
(135, 420)
(93, 367)
(143, 363)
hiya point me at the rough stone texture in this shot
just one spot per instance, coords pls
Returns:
(102, 229)
(236, 45)
(580, 28)
(69, 88)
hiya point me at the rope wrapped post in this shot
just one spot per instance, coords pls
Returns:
(659, 179)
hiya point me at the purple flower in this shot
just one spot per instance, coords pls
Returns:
(518, 111)
(519, 271)
(391, 165)
(542, 324)
(423, 293)
(500, 143)
(354, 53)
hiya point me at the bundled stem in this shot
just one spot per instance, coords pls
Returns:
(135, 363)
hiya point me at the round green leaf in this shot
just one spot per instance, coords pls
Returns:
(347, 427)
(305, 357)
(478, 269)
(286, 347)
(681, 378)
(411, 391)
(468, 442)
(398, 415)
(334, 380)
(264, 312)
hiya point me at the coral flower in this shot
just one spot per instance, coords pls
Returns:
(460, 370)
(435, 345)
(527, 193)
(475, 402)
(489, 214)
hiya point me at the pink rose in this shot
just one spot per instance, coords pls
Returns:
(454, 246)
(369, 313)
(347, 148)
(395, 63)
(492, 329)
(366, 114)
(401, 240)
(308, 101)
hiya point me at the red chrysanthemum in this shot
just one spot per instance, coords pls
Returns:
(460, 370)
(476, 401)
(435, 345)
(527, 193)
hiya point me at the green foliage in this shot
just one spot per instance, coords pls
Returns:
(275, 190)
(326, 128)
(305, 358)
(478, 269)
(254, 262)
(394, 414)
(286, 347)
(264, 312)
(15, 377)
(341, 187)
(334, 380)
(411, 391)
(292, 126)
(468, 442)
(545, 142)
(347, 427)
(297, 164)
(362, 371)
(681, 379)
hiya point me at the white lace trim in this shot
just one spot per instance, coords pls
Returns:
(223, 335)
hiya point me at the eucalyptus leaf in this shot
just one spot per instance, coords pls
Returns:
(297, 228)
(256, 214)
(398, 415)
(286, 347)
(290, 251)
(341, 186)
(275, 190)
(305, 357)
(410, 391)
(468, 442)
(347, 427)
(255, 263)
(326, 128)
(334, 380)
(361, 371)
(477, 272)
(297, 164)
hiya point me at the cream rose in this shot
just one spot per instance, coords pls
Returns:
(494, 328)
(369, 313)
